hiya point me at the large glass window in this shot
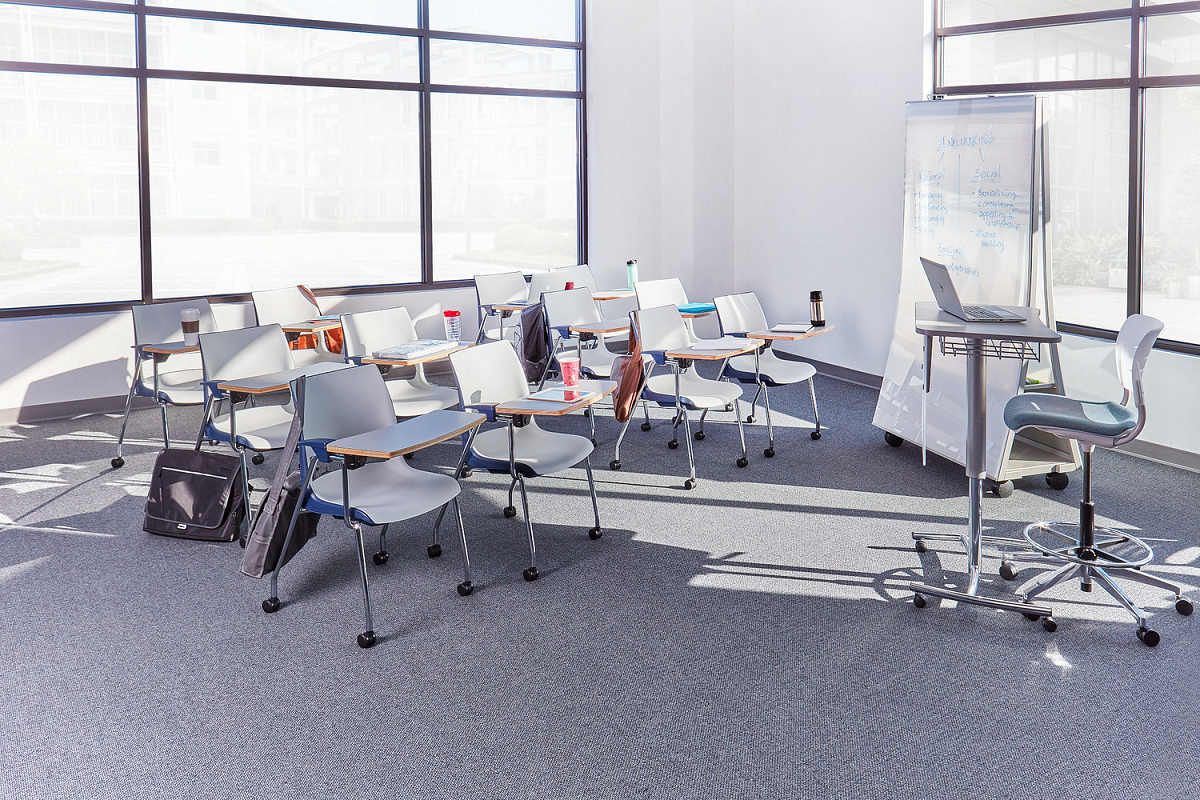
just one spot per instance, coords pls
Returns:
(355, 145)
(1095, 94)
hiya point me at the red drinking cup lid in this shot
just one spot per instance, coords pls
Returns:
(451, 313)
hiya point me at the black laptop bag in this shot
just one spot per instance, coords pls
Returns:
(195, 494)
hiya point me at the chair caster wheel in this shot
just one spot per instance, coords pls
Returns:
(892, 439)
(1051, 626)
(920, 546)
(699, 436)
(594, 442)
(729, 406)
(1030, 617)
(464, 473)
(366, 639)
(814, 435)
(769, 452)
(530, 574)
(117, 462)
(1002, 489)
(615, 464)
(587, 412)
(409, 456)
(1184, 606)
(271, 605)
(595, 533)
(1148, 637)
(743, 461)
(380, 558)
(1008, 571)
(1057, 480)
(919, 601)
(674, 443)
(509, 512)
(258, 458)
(690, 483)
(434, 550)
(465, 588)
(645, 426)
(750, 419)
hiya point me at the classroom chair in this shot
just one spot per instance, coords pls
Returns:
(290, 305)
(737, 315)
(487, 376)
(368, 331)
(662, 330)
(158, 323)
(495, 289)
(1089, 552)
(378, 493)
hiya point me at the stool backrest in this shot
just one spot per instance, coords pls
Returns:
(740, 313)
(1135, 341)
(368, 331)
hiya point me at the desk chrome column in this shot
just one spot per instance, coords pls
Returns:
(978, 341)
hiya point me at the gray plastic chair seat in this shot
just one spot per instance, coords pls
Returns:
(773, 369)
(695, 391)
(388, 491)
(542, 451)
(1067, 414)
(412, 398)
(259, 427)
(179, 387)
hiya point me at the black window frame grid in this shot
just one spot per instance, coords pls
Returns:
(1136, 83)
(140, 10)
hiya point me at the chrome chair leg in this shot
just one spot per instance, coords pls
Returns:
(271, 604)
(1053, 579)
(1152, 580)
(381, 556)
(812, 390)
(367, 637)
(162, 406)
(467, 586)
(596, 532)
(531, 572)
(737, 412)
(770, 451)
(119, 461)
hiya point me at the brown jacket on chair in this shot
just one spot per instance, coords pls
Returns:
(629, 375)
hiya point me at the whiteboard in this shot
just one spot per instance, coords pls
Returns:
(968, 203)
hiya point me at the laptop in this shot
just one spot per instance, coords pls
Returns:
(947, 298)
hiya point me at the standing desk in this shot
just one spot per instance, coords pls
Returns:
(978, 341)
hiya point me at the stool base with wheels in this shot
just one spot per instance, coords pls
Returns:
(1083, 550)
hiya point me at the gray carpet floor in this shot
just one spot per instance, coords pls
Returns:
(751, 638)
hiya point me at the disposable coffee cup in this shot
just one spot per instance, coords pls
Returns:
(189, 321)
(569, 366)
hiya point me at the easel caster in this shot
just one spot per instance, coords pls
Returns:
(465, 588)
(1002, 489)
(1057, 480)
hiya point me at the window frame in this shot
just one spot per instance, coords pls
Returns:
(1136, 83)
(424, 88)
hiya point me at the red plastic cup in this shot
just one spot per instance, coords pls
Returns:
(569, 366)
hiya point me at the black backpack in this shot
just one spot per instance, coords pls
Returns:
(195, 494)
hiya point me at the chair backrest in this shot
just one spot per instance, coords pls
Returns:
(368, 331)
(344, 402)
(740, 313)
(570, 307)
(244, 353)
(651, 294)
(580, 275)
(158, 323)
(488, 374)
(1135, 341)
(283, 306)
(661, 329)
(501, 287)
(541, 282)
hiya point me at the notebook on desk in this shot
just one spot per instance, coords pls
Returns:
(947, 298)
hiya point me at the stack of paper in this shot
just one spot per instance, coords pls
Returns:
(724, 343)
(417, 349)
(792, 327)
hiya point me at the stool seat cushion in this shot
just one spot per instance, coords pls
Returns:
(1066, 414)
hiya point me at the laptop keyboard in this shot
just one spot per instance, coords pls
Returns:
(980, 312)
